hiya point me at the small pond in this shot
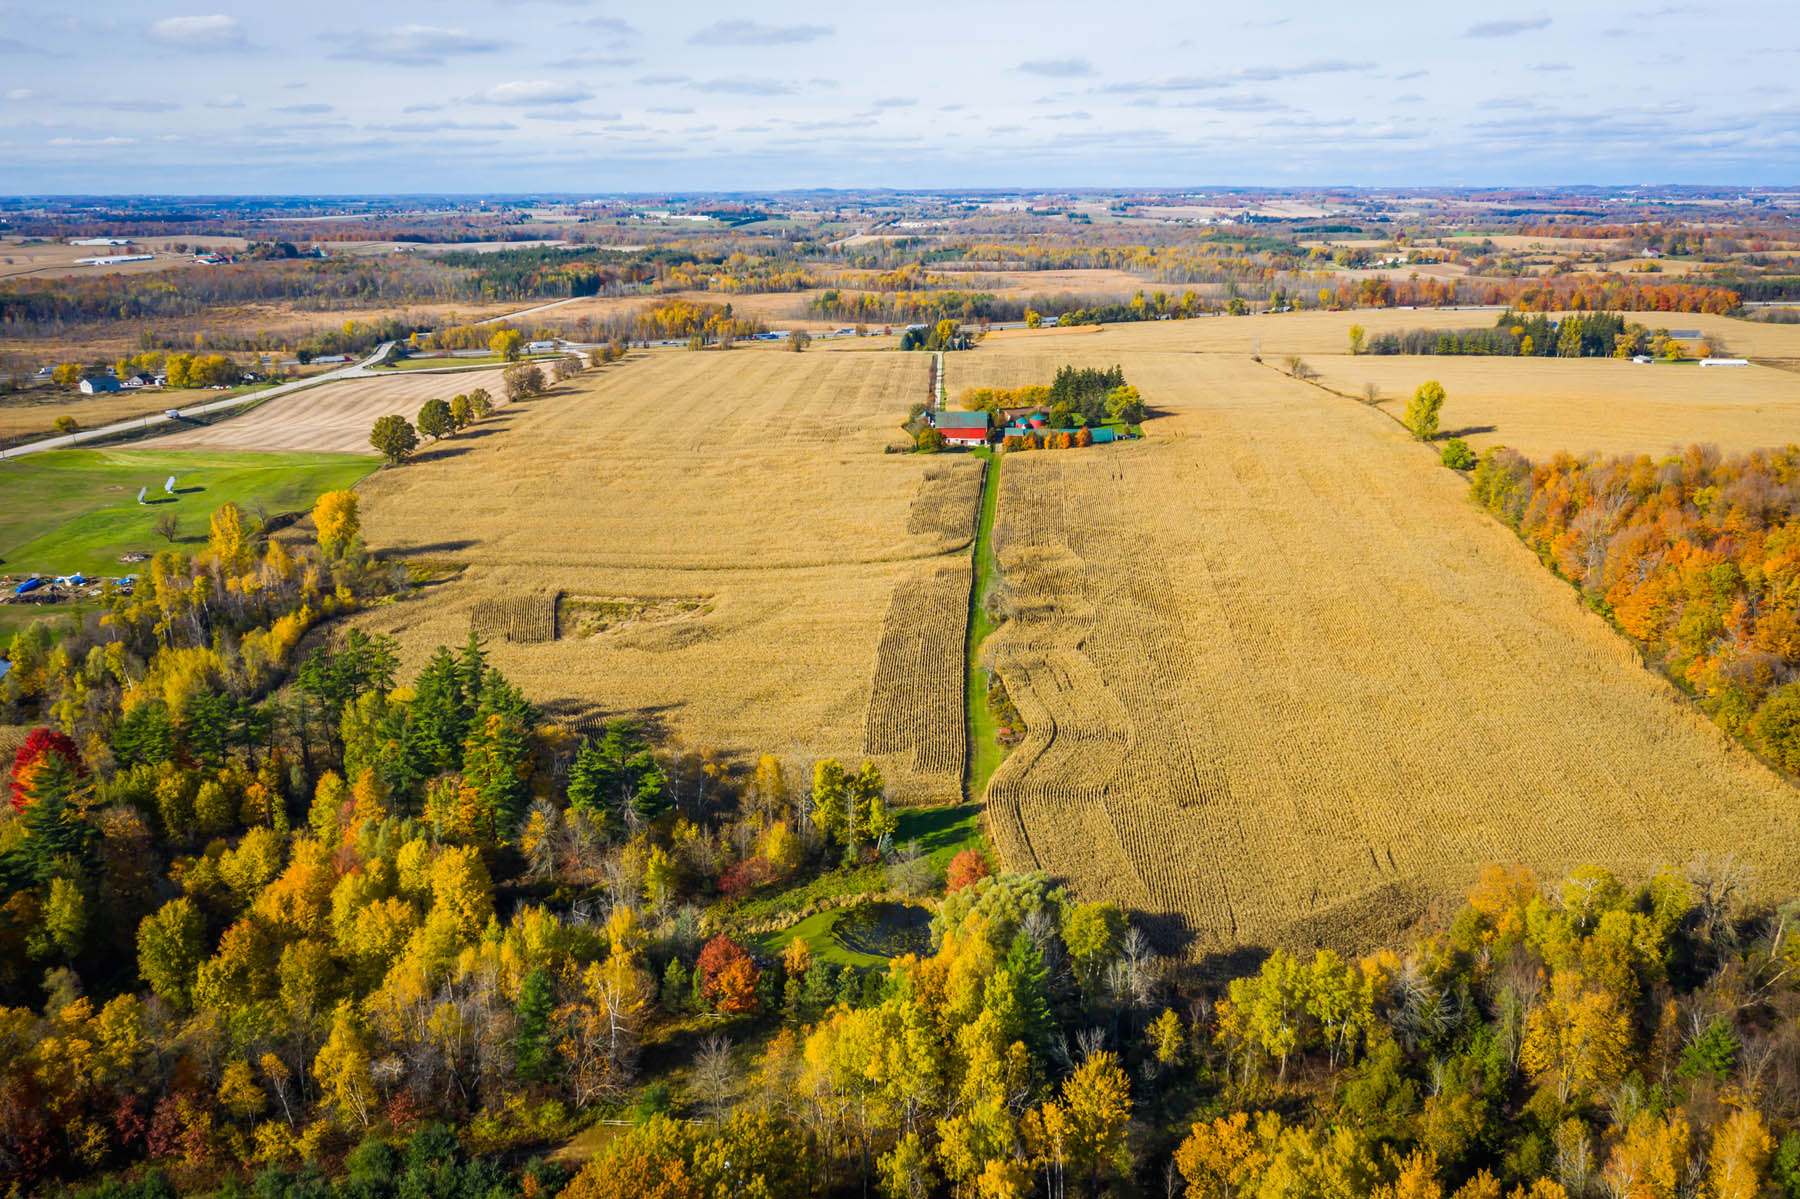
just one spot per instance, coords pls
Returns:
(885, 930)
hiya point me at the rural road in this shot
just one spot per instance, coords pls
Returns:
(353, 371)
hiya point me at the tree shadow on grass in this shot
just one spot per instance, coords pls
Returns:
(1466, 431)
(439, 453)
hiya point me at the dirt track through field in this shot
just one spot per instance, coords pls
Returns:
(1284, 683)
(334, 417)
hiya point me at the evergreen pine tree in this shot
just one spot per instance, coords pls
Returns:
(531, 1046)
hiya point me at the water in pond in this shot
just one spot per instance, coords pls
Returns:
(885, 930)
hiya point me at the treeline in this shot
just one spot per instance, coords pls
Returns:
(1586, 1038)
(1697, 557)
(1596, 335)
(188, 291)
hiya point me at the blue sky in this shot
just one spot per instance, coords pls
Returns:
(221, 96)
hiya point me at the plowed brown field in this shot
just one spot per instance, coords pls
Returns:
(333, 416)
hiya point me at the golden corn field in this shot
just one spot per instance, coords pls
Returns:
(1541, 406)
(1284, 682)
(734, 549)
(524, 618)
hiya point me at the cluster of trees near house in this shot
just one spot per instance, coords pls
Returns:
(1696, 556)
(1517, 334)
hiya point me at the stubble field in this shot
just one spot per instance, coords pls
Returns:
(1540, 406)
(720, 546)
(335, 417)
(1285, 684)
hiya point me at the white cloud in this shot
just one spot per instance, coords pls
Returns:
(1058, 68)
(230, 100)
(534, 91)
(755, 33)
(1507, 28)
(201, 33)
(20, 93)
(742, 86)
(412, 45)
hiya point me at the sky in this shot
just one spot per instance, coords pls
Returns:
(521, 96)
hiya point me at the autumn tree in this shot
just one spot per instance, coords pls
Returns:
(394, 438)
(1422, 410)
(335, 522)
(522, 381)
(461, 412)
(727, 976)
(798, 340)
(507, 344)
(170, 950)
(435, 420)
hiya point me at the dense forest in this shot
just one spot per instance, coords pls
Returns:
(1696, 557)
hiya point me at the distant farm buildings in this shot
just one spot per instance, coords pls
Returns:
(114, 259)
(100, 241)
(95, 385)
(1724, 362)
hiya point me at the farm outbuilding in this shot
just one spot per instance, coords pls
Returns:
(962, 428)
(95, 385)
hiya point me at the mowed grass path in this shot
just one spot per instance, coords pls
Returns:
(77, 510)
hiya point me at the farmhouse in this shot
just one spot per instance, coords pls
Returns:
(95, 385)
(962, 428)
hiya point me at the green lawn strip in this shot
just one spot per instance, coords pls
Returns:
(61, 618)
(985, 754)
(815, 930)
(77, 510)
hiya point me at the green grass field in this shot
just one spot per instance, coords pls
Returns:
(77, 510)
(985, 753)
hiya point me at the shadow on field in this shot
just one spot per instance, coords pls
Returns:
(652, 720)
(434, 547)
(439, 453)
(1467, 431)
(487, 430)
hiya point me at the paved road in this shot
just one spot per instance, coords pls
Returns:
(355, 370)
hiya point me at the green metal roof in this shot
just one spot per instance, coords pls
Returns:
(962, 420)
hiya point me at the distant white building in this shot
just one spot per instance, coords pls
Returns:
(95, 385)
(112, 259)
(1724, 362)
(100, 241)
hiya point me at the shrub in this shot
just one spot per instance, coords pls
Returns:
(966, 869)
(1457, 455)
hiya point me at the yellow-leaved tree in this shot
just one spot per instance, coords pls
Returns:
(336, 522)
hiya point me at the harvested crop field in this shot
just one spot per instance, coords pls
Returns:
(727, 551)
(334, 417)
(1540, 406)
(1286, 684)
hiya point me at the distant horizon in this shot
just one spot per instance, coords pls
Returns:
(636, 193)
(573, 96)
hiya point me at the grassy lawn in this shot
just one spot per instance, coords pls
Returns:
(60, 617)
(77, 510)
(816, 932)
(985, 754)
